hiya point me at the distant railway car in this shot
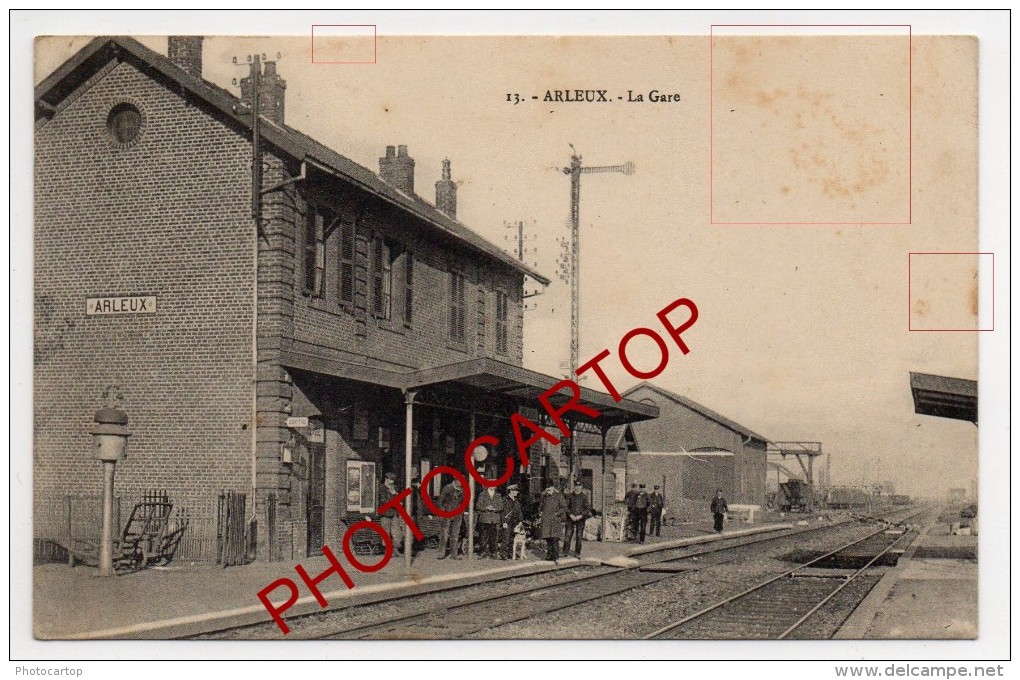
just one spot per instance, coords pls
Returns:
(848, 498)
(900, 499)
(793, 496)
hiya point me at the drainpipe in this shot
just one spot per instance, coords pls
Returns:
(256, 216)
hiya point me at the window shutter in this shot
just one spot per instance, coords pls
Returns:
(457, 307)
(377, 275)
(501, 323)
(347, 238)
(408, 288)
(310, 263)
(453, 306)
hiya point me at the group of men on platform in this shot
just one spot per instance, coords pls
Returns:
(498, 515)
(562, 517)
(644, 512)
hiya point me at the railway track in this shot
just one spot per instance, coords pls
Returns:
(461, 612)
(459, 619)
(779, 606)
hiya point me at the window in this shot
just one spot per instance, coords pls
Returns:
(457, 306)
(501, 323)
(348, 236)
(125, 123)
(408, 289)
(315, 250)
(382, 277)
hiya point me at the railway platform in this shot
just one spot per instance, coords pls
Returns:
(159, 603)
(931, 594)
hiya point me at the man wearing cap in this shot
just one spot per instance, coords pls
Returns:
(641, 511)
(512, 516)
(390, 521)
(489, 507)
(719, 509)
(450, 499)
(631, 521)
(578, 509)
(552, 511)
(655, 505)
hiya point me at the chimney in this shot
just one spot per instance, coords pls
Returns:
(185, 51)
(397, 169)
(271, 92)
(446, 192)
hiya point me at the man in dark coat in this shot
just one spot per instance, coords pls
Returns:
(553, 509)
(641, 512)
(631, 521)
(719, 509)
(450, 499)
(389, 520)
(512, 516)
(655, 505)
(578, 509)
(489, 507)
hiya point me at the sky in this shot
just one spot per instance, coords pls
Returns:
(803, 329)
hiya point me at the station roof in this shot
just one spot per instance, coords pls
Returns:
(695, 406)
(944, 397)
(494, 376)
(486, 375)
(76, 72)
(593, 441)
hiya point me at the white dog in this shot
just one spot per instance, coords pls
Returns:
(520, 542)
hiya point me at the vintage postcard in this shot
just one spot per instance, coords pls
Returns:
(348, 335)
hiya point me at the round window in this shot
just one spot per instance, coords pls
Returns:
(125, 124)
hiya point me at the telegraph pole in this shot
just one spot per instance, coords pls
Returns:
(517, 234)
(574, 268)
(575, 170)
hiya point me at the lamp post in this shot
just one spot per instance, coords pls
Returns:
(109, 428)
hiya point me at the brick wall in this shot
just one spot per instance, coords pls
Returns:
(694, 477)
(678, 425)
(751, 472)
(168, 216)
(353, 333)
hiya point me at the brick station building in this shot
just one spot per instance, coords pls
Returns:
(279, 319)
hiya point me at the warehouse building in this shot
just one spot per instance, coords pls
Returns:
(689, 451)
(279, 320)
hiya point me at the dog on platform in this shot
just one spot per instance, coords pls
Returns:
(520, 542)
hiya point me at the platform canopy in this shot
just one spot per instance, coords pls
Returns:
(477, 383)
(496, 377)
(944, 397)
